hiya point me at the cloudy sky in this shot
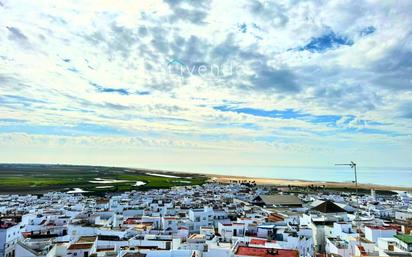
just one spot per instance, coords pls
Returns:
(191, 85)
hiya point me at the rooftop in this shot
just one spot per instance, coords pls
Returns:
(328, 207)
(275, 217)
(80, 246)
(404, 238)
(8, 222)
(265, 252)
(258, 241)
(382, 227)
(134, 255)
(280, 199)
(197, 236)
(86, 239)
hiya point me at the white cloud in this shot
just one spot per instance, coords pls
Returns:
(106, 64)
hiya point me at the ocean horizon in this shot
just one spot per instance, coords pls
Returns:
(387, 176)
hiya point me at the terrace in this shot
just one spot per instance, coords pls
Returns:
(264, 252)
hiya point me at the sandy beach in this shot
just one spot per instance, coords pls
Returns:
(286, 182)
(282, 182)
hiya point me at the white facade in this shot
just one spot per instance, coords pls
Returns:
(8, 240)
(201, 218)
(400, 215)
(228, 231)
(374, 233)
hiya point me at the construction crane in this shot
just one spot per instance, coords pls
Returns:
(353, 166)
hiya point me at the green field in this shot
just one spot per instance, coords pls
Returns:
(31, 178)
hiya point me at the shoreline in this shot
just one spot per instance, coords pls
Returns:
(283, 182)
(227, 178)
(303, 183)
(280, 181)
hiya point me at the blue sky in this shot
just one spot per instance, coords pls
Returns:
(189, 85)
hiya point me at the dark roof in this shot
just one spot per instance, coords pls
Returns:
(134, 255)
(80, 246)
(108, 237)
(281, 200)
(328, 207)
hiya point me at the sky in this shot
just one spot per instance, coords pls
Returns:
(187, 85)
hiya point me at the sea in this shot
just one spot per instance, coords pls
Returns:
(366, 175)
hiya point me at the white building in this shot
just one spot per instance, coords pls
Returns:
(401, 215)
(201, 218)
(373, 233)
(9, 234)
(230, 230)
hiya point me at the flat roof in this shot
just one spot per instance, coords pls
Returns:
(382, 227)
(258, 241)
(265, 252)
(404, 238)
(80, 246)
(86, 239)
(8, 222)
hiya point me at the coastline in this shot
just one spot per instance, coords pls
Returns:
(207, 176)
(283, 182)
(303, 183)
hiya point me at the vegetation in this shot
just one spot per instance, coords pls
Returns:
(24, 178)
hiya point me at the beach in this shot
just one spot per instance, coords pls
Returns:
(303, 183)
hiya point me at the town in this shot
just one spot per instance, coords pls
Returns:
(210, 220)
